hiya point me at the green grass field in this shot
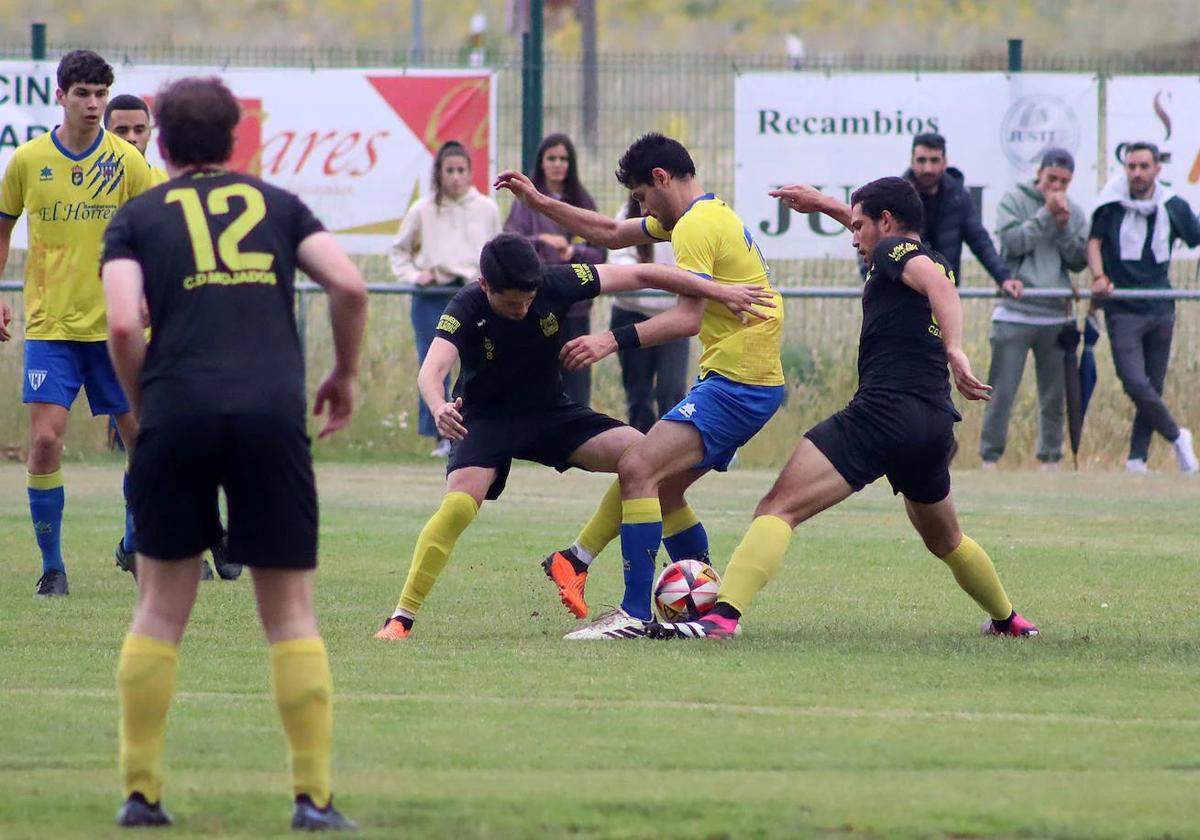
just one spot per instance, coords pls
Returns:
(860, 701)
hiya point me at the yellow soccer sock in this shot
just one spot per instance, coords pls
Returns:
(304, 695)
(678, 521)
(755, 561)
(145, 683)
(976, 575)
(433, 549)
(603, 527)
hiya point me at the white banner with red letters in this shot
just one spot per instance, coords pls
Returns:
(356, 145)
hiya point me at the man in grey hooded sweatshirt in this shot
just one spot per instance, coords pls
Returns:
(1043, 236)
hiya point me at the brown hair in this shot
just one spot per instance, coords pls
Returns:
(451, 148)
(645, 251)
(196, 118)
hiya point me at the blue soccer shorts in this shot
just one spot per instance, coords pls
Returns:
(56, 370)
(726, 414)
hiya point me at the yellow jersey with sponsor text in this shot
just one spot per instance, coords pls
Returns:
(69, 200)
(710, 241)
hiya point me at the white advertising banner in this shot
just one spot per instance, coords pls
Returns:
(1164, 110)
(838, 132)
(356, 145)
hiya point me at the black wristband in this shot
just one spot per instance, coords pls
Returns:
(627, 337)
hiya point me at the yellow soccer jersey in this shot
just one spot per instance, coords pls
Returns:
(710, 240)
(158, 176)
(70, 200)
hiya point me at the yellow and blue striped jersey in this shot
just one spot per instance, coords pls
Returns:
(69, 199)
(710, 240)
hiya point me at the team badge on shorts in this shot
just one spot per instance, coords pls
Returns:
(77, 175)
(36, 378)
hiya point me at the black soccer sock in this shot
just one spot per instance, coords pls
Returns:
(725, 610)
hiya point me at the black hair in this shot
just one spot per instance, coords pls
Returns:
(196, 118)
(1143, 146)
(125, 102)
(451, 148)
(895, 195)
(930, 140)
(83, 67)
(573, 191)
(509, 262)
(653, 151)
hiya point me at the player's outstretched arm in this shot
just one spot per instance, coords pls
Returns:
(6, 229)
(927, 277)
(588, 224)
(806, 199)
(447, 415)
(680, 321)
(123, 281)
(322, 258)
(739, 298)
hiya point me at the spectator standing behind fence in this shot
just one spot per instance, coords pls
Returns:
(556, 174)
(438, 246)
(1043, 236)
(655, 378)
(951, 217)
(1134, 226)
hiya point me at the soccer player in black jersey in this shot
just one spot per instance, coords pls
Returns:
(509, 401)
(220, 398)
(899, 424)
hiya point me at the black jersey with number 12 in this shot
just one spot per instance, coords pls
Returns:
(218, 258)
(900, 348)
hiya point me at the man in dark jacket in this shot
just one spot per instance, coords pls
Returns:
(951, 217)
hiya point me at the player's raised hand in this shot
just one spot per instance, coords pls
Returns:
(518, 184)
(964, 380)
(449, 421)
(336, 393)
(5, 319)
(586, 350)
(741, 300)
(801, 198)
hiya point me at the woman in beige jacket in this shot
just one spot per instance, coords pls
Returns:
(437, 249)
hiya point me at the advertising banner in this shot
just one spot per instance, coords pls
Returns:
(838, 132)
(356, 145)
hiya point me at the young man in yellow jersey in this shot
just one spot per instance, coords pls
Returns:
(128, 117)
(70, 182)
(739, 389)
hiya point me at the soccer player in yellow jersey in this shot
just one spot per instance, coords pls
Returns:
(739, 389)
(69, 182)
(128, 117)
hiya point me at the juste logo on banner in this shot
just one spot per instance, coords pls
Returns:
(356, 145)
(839, 132)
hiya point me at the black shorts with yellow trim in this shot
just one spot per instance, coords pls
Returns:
(903, 437)
(547, 437)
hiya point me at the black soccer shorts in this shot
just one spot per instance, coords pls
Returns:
(263, 463)
(547, 437)
(904, 438)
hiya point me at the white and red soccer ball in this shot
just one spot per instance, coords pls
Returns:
(686, 590)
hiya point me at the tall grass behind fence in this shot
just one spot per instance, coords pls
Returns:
(690, 97)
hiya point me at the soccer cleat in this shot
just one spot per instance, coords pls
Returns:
(393, 630)
(51, 584)
(709, 627)
(1136, 465)
(1185, 452)
(220, 556)
(570, 583)
(614, 624)
(138, 813)
(1017, 625)
(126, 561)
(308, 817)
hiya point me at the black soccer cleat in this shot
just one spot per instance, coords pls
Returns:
(308, 817)
(126, 561)
(51, 584)
(220, 555)
(138, 813)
